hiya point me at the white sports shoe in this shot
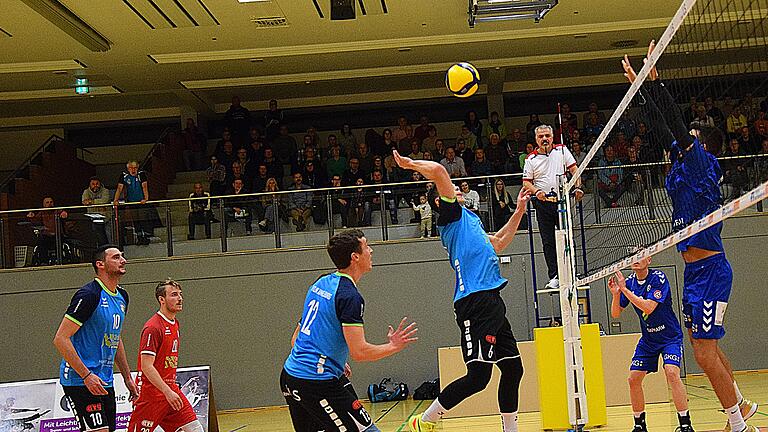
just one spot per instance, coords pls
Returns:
(553, 283)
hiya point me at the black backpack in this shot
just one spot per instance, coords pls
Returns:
(428, 390)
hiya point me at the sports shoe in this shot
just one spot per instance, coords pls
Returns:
(553, 283)
(639, 428)
(748, 409)
(751, 428)
(684, 428)
(416, 424)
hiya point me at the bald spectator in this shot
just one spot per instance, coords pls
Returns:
(453, 164)
(134, 184)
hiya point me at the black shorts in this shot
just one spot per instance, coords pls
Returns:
(92, 412)
(329, 405)
(486, 335)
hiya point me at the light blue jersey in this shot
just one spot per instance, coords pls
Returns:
(470, 251)
(320, 350)
(100, 314)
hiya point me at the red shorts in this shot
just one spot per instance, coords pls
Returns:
(154, 410)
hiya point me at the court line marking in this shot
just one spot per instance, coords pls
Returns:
(241, 427)
(712, 391)
(408, 417)
(386, 411)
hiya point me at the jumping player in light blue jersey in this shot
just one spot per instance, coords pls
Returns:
(313, 379)
(486, 335)
(649, 293)
(89, 341)
(693, 185)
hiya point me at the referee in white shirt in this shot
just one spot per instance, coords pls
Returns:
(540, 173)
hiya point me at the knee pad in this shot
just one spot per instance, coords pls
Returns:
(193, 426)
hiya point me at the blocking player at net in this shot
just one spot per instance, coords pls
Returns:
(89, 341)
(161, 402)
(486, 335)
(330, 330)
(649, 293)
(693, 186)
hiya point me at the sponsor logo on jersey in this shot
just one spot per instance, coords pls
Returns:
(657, 294)
(356, 405)
(171, 362)
(671, 357)
(111, 340)
(490, 339)
(656, 329)
(96, 407)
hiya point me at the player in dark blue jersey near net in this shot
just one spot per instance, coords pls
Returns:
(647, 290)
(89, 341)
(331, 329)
(486, 335)
(693, 185)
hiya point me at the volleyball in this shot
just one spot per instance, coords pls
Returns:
(462, 80)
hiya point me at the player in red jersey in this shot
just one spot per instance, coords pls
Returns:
(161, 402)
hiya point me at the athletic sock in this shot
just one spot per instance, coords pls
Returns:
(739, 396)
(434, 412)
(509, 421)
(735, 418)
(684, 417)
(640, 420)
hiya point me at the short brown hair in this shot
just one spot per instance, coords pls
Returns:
(160, 288)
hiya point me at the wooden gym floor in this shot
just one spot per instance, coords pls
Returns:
(391, 416)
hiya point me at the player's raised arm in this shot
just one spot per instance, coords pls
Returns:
(431, 170)
(362, 351)
(613, 285)
(506, 234)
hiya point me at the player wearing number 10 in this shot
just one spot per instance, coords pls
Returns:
(330, 329)
(89, 340)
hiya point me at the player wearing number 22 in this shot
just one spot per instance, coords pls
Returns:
(161, 402)
(331, 329)
(88, 339)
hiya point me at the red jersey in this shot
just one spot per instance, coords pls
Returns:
(159, 337)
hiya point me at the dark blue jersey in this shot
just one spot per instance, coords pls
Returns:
(100, 314)
(661, 327)
(470, 250)
(693, 184)
(320, 350)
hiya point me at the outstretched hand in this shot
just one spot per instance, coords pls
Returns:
(403, 162)
(616, 283)
(629, 71)
(403, 336)
(522, 200)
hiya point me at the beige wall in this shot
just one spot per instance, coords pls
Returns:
(17, 145)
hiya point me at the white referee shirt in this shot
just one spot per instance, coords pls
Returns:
(542, 169)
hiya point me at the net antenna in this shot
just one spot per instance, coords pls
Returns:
(564, 238)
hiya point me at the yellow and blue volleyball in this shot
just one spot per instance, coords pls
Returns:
(462, 80)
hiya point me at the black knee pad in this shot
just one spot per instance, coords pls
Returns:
(509, 384)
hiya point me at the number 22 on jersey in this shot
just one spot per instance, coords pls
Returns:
(310, 316)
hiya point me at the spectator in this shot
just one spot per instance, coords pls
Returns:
(306, 143)
(96, 194)
(533, 123)
(274, 168)
(702, 118)
(310, 155)
(475, 126)
(736, 120)
(761, 162)
(610, 181)
(350, 176)
(714, 112)
(620, 146)
(239, 209)
(422, 130)
(375, 142)
(634, 178)
(403, 130)
(592, 109)
(333, 141)
(692, 111)
(512, 163)
(469, 138)
(313, 177)
(734, 170)
(480, 166)
(194, 147)
(502, 204)
(747, 142)
(256, 151)
(339, 200)
(394, 172)
(390, 200)
(413, 191)
(496, 154)
(428, 143)
(285, 147)
(359, 206)
(761, 126)
(495, 125)
(578, 153)
(439, 152)
(217, 176)
(260, 180)
(273, 119)
(728, 105)
(389, 141)
(569, 118)
(453, 164)
(299, 203)
(199, 211)
(425, 216)
(45, 220)
(272, 206)
(336, 164)
(364, 157)
(237, 174)
(471, 197)
(433, 198)
(238, 120)
(524, 156)
(749, 107)
(625, 125)
(464, 153)
(247, 166)
(415, 150)
(316, 142)
(227, 155)
(134, 183)
(378, 165)
(592, 125)
(515, 141)
(254, 134)
(429, 156)
(226, 135)
(347, 139)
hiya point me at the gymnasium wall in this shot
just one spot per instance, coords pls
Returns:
(17, 145)
(241, 309)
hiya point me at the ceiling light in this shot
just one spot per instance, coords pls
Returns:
(504, 10)
(69, 23)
